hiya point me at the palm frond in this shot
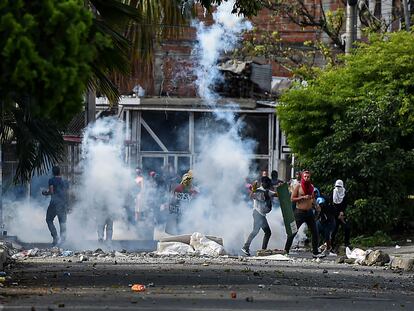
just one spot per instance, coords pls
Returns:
(101, 83)
(39, 145)
(116, 13)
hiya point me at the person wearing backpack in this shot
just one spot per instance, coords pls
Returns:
(262, 205)
(58, 189)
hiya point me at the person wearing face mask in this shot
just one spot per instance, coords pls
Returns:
(180, 201)
(304, 197)
(339, 201)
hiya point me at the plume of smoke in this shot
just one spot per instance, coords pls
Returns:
(213, 41)
(105, 184)
(224, 161)
(26, 219)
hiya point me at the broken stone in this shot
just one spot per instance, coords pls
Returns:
(403, 263)
(377, 258)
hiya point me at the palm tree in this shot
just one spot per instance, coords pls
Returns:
(132, 28)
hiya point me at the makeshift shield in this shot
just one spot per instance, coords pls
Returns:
(286, 207)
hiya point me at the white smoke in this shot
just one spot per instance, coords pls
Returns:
(223, 164)
(105, 185)
(213, 41)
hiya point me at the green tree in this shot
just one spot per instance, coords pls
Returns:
(355, 122)
(46, 56)
(326, 21)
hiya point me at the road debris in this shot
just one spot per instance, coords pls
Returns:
(138, 288)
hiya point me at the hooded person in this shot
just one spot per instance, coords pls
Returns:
(339, 202)
(138, 190)
(186, 184)
(180, 201)
(262, 205)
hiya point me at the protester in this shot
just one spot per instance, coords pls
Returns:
(275, 179)
(262, 205)
(246, 190)
(339, 201)
(293, 183)
(304, 198)
(170, 177)
(139, 189)
(58, 190)
(105, 226)
(326, 222)
(276, 182)
(180, 201)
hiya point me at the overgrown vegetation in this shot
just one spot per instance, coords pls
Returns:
(356, 122)
(379, 238)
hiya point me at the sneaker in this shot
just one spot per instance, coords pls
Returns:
(326, 251)
(318, 255)
(245, 251)
(322, 247)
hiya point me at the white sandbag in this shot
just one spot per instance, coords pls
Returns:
(205, 246)
(357, 254)
(173, 248)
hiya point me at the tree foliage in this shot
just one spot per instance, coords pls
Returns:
(326, 21)
(355, 122)
(46, 56)
(245, 7)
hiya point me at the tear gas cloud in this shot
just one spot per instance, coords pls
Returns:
(223, 164)
(106, 182)
(213, 41)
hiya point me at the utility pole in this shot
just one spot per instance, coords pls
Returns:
(406, 15)
(351, 24)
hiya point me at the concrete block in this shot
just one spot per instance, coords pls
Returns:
(404, 263)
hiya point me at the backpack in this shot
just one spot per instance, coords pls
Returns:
(264, 201)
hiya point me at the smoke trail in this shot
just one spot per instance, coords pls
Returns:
(224, 161)
(213, 41)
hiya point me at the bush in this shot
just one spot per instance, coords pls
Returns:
(367, 215)
(379, 238)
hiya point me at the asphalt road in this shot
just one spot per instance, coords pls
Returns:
(185, 283)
